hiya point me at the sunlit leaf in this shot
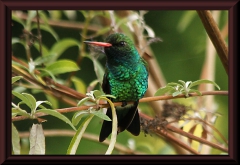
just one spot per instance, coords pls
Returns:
(37, 140)
(16, 78)
(62, 66)
(97, 93)
(203, 81)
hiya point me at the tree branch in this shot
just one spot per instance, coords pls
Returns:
(215, 36)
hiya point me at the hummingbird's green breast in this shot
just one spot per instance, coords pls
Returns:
(128, 82)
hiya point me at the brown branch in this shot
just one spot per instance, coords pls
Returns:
(215, 36)
(61, 24)
(105, 105)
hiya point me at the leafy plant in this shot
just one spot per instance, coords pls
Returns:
(48, 52)
(183, 88)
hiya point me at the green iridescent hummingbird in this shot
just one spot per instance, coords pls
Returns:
(126, 77)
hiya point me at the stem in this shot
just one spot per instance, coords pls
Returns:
(39, 35)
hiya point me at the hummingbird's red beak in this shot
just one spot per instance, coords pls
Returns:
(104, 44)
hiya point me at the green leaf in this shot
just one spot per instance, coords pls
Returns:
(79, 84)
(20, 112)
(44, 59)
(101, 115)
(62, 45)
(58, 115)
(176, 93)
(110, 96)
(15, 141)
(47, 72)
(31, 15)
(15, 18)
(63, 66)
(38, 103)
(53, 101)
(31, 100)
(45, 52)
(17, 41)
(97, 93)
(203, 81)
(78, 116)
(164, 90)
(78, 136)
(14, 79)
(99, 70)
(174, 84)
(37, 140)
(47, 28)
(20, 65)
(81, 102)
(23, 98)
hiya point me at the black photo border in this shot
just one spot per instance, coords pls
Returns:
(5, 79)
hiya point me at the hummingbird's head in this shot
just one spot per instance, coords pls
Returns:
(118, 47)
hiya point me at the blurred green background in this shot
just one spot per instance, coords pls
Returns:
(180, 55)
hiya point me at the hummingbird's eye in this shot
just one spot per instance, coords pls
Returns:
(122, 43)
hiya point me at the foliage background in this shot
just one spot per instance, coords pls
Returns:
(180, 55)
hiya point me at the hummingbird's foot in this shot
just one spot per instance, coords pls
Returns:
(124, 103)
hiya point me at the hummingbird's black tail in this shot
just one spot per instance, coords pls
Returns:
(128, 118)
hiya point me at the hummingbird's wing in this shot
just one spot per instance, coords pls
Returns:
(128, 118)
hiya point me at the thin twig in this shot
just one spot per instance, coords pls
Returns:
(39, 35)
(183, 133)
(89, 136)
(61, 24)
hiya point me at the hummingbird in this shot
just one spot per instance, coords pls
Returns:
(126, 78)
